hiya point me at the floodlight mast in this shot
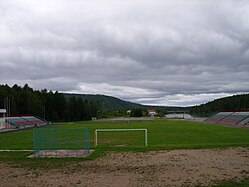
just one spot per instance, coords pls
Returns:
(7, 106)
(109, 130)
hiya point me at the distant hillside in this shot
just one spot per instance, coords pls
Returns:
(112, 103)
(236, 102)
(106, 102)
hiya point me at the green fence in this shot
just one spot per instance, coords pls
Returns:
(61, 142)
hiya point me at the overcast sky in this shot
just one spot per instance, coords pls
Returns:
(158, 52)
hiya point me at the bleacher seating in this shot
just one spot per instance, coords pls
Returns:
(218, 117)
(246, 124)
(235, 118)
(25, 121)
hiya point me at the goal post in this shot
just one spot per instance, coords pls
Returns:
(120, 130)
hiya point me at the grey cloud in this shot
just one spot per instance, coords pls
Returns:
(159, 52)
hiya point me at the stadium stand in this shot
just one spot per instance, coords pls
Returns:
(218, 117)
(245, 121)
(233, 118)
(246, 124)
(25, 121)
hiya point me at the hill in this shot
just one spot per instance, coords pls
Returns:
(109, 103)
(106, 102)
(236, 102)
(55, 106)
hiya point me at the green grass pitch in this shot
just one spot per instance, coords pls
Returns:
(162, 135)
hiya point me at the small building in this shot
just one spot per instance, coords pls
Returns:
(128, 111)
(2, 113)
(178, 114)
(152, 112)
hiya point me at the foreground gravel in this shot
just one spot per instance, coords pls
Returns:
(156, 168)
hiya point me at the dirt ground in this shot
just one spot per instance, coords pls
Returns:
(156, 168)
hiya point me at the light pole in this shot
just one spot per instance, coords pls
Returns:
(7, 107)
(44, 111)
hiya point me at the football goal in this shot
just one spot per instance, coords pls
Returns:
(112, 134)
(50, 142)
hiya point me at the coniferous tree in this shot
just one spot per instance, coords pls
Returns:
(52, 106)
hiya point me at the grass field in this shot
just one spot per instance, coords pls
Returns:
(162, 135)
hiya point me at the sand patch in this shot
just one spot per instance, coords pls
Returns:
(155, 168)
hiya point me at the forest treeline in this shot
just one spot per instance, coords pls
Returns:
(236, 102)
(53, 106)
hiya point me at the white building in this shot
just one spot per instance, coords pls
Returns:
(2, 113)
(152, 112)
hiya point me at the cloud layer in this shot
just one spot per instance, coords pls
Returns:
(152, 52)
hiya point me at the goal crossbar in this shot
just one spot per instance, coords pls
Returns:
(110, 130)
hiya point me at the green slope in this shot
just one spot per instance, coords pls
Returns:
(106, 102)
(113, 103)
(236, 102)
